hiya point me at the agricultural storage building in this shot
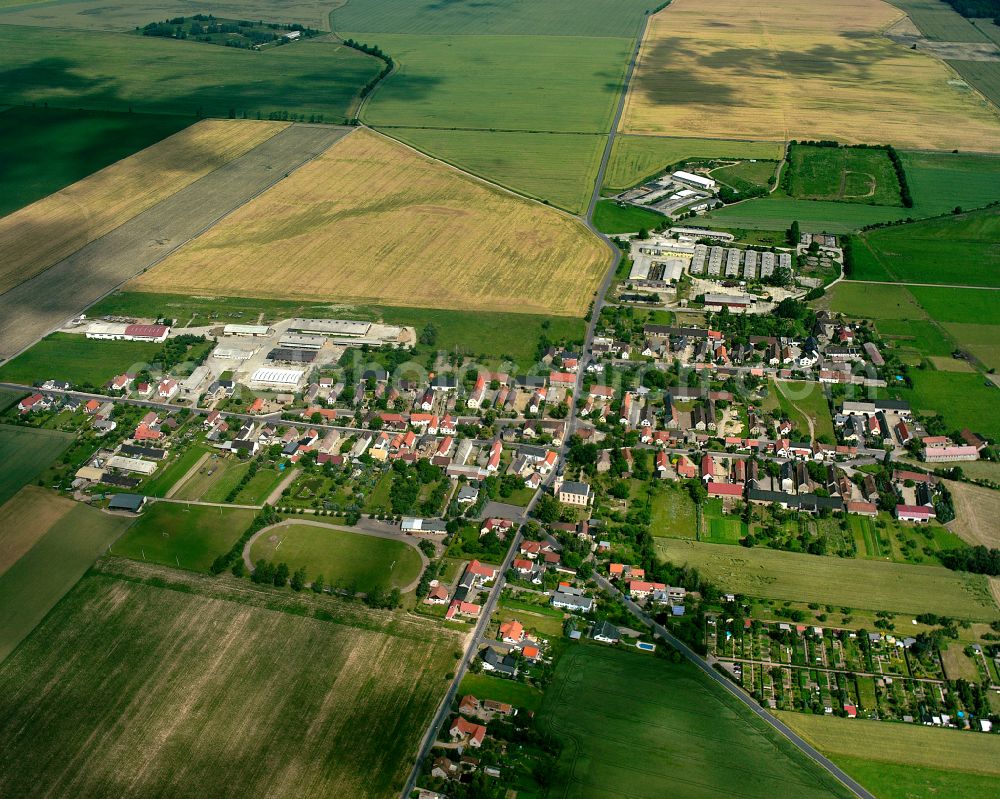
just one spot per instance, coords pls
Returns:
(246, 330)
(330, 327)
(130, 502)
(694, 180)
(232, 354)
(277, 378)
(302, 342)
(290, 355)
(131, 464)
(117, 331)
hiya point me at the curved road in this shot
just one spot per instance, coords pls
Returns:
(803, 745)
(356, 531)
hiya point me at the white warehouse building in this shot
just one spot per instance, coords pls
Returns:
(694, 180)
(277, 378)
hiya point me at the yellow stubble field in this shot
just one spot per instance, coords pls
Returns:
(372, 220)
(43, 233)
(796, 69)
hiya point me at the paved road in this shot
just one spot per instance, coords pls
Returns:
(599, 298)
(747, 700)
(477, 637)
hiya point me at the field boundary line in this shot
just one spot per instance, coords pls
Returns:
(201, 231)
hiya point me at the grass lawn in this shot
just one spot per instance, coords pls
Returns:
(964, 400)
(979, 339)
(38, 580)
(50, 148)
(105, 71)
(78, 359)
(673, 512)
(635, 725)
(215, 478)
(259, 487)
(844, 174)
(721, 528)
(874, 302)
(25, 453)
(185, 536)
(209, 678)
(518, 694)
(545, 624)
(958, 249)
(925, 338)
(610, 217)
(348, 560)
(801, 401)
(556, 168)
(635, 158)
(176, 467)
(875, 585)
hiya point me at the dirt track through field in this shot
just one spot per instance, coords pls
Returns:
(37, 306)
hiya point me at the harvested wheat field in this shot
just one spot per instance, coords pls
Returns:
(976, 512)
(372, 220)
(132, 689)
(43, 233)
(796, 69)
(25, 518)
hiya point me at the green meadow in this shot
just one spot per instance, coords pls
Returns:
(958, 249)
(77, 359)
(610, 217)
(846, 174)
(962, 400)
(47, 149)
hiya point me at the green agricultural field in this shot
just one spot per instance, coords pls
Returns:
(938, 21)
(845, 174)
(874, 585)
(719, 527)
(959, 305)
(610, 217)
(518, 694)
(923, 338)
(874, 302)
(941, 181)
(905, 760)
(502, 17)
(649, 727)
(25, 453)
(50, 148)
(38, 580)
(345, 559)
(215, 478)
(984, 76)
(963, 400)
(470, 332)
(78, 359)
(979, 339)
(957, 249)
(746, 175)
(674, 512)
(184, 536)
(215, 689)
(803, 402)
(260, 486)
(8, 398)
(434, 86)
(556, 168)
(813, 216)
(104, 71)
(635, 158)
